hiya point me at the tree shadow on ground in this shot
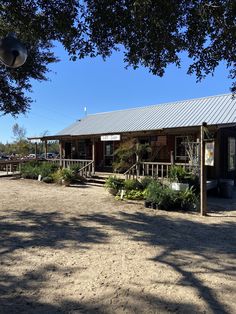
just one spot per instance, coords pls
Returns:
(177, 238)
(24, 229)
(15, 298)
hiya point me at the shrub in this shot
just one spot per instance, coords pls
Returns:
(189, 199)
(134, 195)
(146, 181)
(169, 200)
(153, 192)
(64, 174)
(179, 174)
(30, 170)
(76, 167)
(194, 184)
(46, 169)
(126, 154)
(114, 183)
(182, 200)
(131, 184)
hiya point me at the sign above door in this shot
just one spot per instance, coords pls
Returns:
(113, 137)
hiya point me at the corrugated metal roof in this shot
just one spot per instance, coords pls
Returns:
(214, 110)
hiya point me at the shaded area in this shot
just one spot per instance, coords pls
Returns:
(27, 228)
(13, 299)
(177, 239)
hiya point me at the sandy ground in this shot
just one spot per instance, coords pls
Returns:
(77, 250)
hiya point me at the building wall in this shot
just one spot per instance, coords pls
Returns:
(162, 145)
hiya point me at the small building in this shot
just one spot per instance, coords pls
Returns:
(165, 127)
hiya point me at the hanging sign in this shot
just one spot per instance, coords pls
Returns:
(114, 137)
(209, 153)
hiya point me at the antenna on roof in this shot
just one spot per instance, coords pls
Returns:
(85, 111)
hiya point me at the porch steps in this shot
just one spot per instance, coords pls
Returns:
(99, 178)
(95, 181)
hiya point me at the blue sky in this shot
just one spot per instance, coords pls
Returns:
(105, 86)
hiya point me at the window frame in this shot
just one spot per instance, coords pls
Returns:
(180, 157)
(231, 139)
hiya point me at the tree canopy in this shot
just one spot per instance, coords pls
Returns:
(152, 33)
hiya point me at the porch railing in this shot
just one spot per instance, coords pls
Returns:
(9, 167)
(67, 163)
(158, 170)
(131, 173)
(85, 169)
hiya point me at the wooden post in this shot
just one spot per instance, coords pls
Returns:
(46, 149)
(203, 195)
(36, 150)
(60, 152)
(172, 160)
(93, 156)
(137, 160)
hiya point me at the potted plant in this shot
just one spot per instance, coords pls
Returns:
(179, 178)
(153, 194)
(114, 184)
(64, 176)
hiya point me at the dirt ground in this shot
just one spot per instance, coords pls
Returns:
(77, 250)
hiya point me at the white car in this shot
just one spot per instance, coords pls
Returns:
(31, 156)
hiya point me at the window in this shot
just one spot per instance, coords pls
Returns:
(108, 153)
(180, 148)
(231, 153)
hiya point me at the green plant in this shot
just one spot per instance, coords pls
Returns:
(30, 170)
(146, 181)
(176, 173)
(182, 200)
(134, 195)
(46, 169)
(194, 183)
(76, 167)
(189, 199)
(63, 175)
(114, 183)
(131, 184)
(126, 154)
(153, 192)
(169, 200)
(179, 174)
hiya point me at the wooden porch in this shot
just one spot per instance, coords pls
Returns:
(86, 168)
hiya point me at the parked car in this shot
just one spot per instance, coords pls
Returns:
(49, 156)
(3, 157)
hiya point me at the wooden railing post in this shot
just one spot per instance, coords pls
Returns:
(172, 159)
(93, 156)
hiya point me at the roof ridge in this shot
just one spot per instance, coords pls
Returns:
(154, 105)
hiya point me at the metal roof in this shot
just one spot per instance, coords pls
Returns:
(214, 110)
